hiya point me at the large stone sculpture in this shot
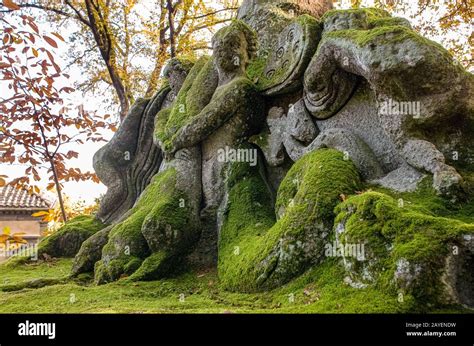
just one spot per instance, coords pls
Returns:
(355, 130)
(401, 68)
(128, 162)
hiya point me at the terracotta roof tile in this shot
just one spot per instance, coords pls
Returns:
(13, 198)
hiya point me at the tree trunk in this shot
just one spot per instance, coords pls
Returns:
(102, 36)
(171, 10)
(58, 189)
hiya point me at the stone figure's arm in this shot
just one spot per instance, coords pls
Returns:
(212, 117)
(225, 103)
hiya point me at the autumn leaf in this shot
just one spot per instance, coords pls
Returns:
(18, 239)
(50, 41)
(6, 230)
(58, 36)
(4, 238)
(39, 214)
(11, 5)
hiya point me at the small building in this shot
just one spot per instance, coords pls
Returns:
(16, 208)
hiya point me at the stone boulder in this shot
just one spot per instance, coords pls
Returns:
(67, 240)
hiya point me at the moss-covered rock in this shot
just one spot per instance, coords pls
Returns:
(126, 242)
(403, 69)
(67, 241)
(408, 249)
(161, 221)
(90, 252)
(254, 252)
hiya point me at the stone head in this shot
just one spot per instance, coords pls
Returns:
(176, 72)
(234, 46)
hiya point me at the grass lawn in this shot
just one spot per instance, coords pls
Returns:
(318, 291)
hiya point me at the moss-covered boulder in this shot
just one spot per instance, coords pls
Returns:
(90, 252)
(408, 250)
(67, 241)
(255, 253)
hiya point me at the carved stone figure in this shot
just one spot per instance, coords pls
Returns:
(413, 81)
(358, 134)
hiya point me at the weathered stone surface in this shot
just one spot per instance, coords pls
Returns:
(114, 161)
(422, 256)
(400, 67)
(269, 17)
(280, 70)
(299, 125)
(233, 113)
(128, 162)
(90, 252)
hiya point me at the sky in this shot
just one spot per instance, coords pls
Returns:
(88, 191)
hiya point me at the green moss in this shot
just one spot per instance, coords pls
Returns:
(318, 290)
(426, 201)
(126, 242)
(371, 13)
(67, 241)
(162, 216)
(390, 21)
(261, 140)
(26, 272)
(255, 69)
(250, 235)
(394, 232)
(156, 266)
(191, 99)
(16, 261)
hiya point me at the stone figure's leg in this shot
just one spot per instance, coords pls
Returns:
(164, 223)
(172, 227)
(424, 155)
(90, 252)
(345, 141)
(257, 253)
